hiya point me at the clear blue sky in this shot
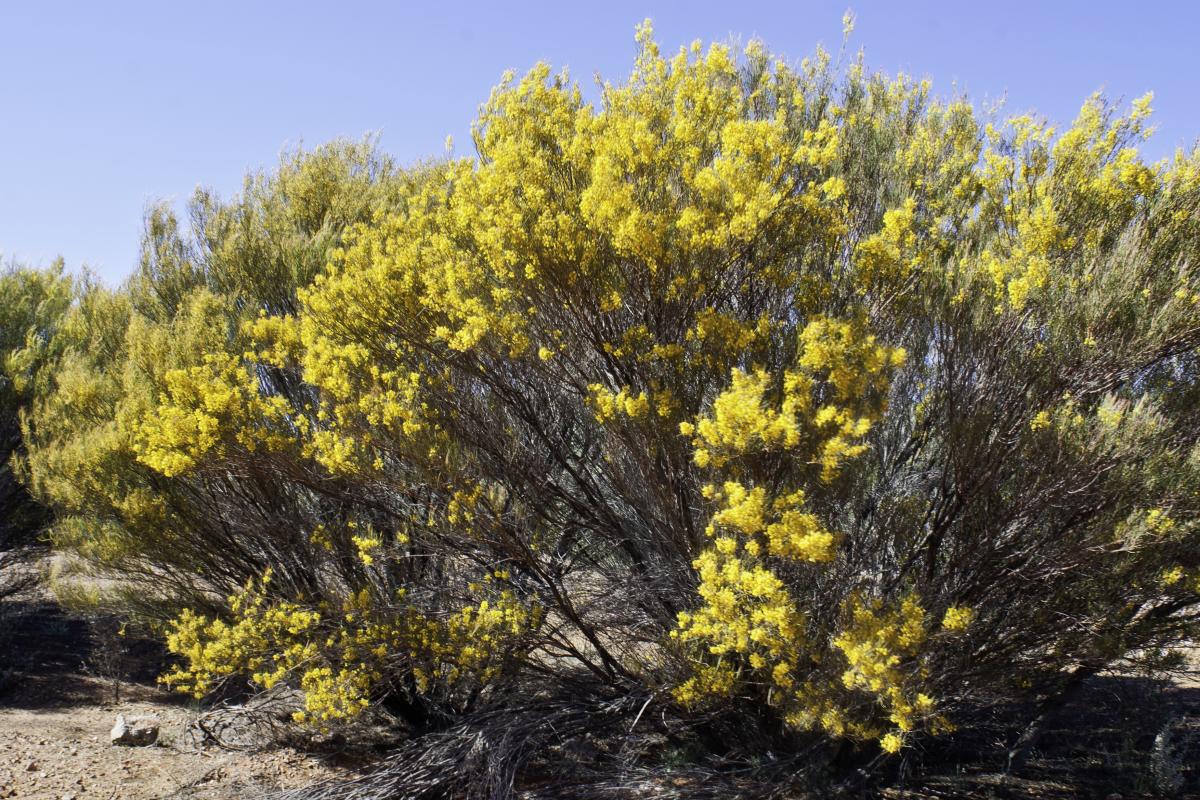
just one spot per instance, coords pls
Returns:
(106, 107)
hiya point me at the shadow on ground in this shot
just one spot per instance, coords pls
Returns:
(1121, 737)
(51, 659)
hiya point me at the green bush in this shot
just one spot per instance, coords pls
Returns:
(31, 304)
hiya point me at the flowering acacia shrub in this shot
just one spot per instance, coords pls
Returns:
(757, 386)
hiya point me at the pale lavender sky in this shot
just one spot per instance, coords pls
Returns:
(106, 107)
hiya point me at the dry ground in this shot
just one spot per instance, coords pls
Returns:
(57, 707)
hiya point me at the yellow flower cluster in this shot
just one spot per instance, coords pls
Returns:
(607, 405)
(886, 257)
(1179, 578)
(818, 413)
(876, 644)
(781, 529)
(203, 406)
(216, 649)
(338, 660)
(958, 618)
(1158, 521)
(1036, 186)
(187, 396)
(469, 644)
(839, 353)
(741, 422)
(746, 612)
(366, 545)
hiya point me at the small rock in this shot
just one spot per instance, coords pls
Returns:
(32, 766)
(135, 731)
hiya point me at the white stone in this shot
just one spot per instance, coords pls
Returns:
(135, 731)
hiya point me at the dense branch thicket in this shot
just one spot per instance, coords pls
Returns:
(771, 394)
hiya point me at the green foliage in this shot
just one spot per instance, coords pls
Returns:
(32, 303)
(174, 332)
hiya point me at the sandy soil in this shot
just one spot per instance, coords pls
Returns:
(56, 714)
(65, 754)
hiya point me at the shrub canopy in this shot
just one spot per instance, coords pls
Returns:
(787, 392)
